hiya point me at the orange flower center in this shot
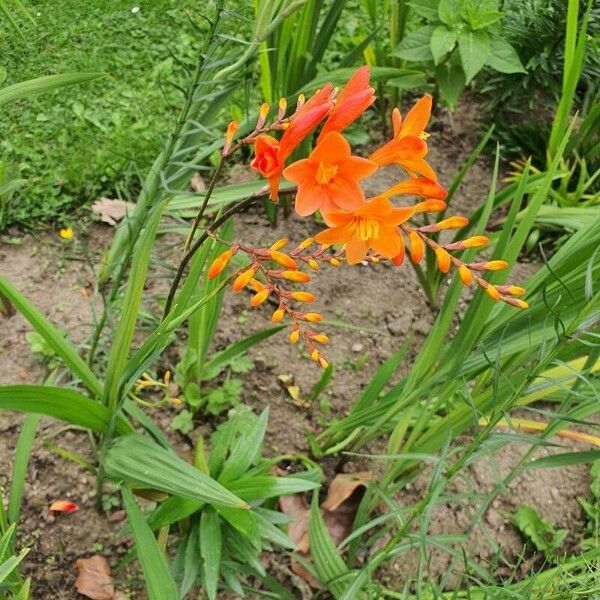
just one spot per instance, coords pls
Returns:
(367, 228)
(326, 173)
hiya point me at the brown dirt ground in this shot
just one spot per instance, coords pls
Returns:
(386, 303)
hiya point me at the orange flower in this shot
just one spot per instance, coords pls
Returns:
(270, 154)
(328, 179)
(374, 225)
(352, 102)
(418, 186)
(408, 147)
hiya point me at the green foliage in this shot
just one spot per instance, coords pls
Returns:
(541, 533)
(457, 40)
(109, 131)
(591, 506)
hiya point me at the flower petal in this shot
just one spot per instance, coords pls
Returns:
(378, 207)
(356, 250)
(358, 167)
(417, 186)
(419, 165)
(63, 506)
(333, 148)
(345, 194)
(335, 235)
(417, 117)
(309, 198)
(389, 243)
(300, 170)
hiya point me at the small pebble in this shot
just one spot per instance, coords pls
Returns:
(357, 348)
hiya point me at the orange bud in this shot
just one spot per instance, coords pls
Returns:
(430, 206)
(243, 279)
(301, 101)
(515, 290)
(417, 247)
(294, 336)
(521, 303)
(312, 317)
(315, 355)
(307, 243)
(283, 259)
(256, 285)
(279, 244)
(219, 264)
(313, 264)
(443, 259)
(496, 265)
(492, 292)
(453, 223)
(282, 108)
(260, 297)
(323, 362)
(334, 262)
(465, 274)
(264, 111)
(303, 296)
(321, 338)
(298, 276)
(278, 315)
(231, 130)
(475, 242)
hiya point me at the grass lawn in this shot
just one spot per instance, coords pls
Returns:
(78, 144)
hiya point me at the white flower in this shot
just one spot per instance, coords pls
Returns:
(135, 10)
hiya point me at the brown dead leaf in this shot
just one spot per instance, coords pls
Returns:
(94, 580)
(338, 509)
(112, 211)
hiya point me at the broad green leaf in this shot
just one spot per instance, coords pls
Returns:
(141, 463)
(52, 336)
(415, 46)
(210, 550)
(503, 57)
(266, 486)
(417, 79)
(428, 9)
(543, 534)
(480, 14)
(9, 565)
(474, 49)
(449, 12)
(61, 403)
(443, 41)
(451, 82)
(173, 509)
(43, 84)
(157, 578)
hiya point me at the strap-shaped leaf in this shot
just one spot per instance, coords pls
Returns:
(61, 403)
(142, 463)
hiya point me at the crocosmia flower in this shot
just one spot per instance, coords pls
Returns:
(408, 147)
(328, 179)
(270, 155)
(356, 96)
(373, 226)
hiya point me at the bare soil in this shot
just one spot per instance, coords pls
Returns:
(387, 306)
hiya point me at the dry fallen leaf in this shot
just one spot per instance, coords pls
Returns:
(64, 506)
(112, 211)
(338, 509)
(94, 580)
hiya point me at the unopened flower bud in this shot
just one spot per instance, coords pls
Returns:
(298, 276)
(278, 315)
(496, 265)
(492, 292)
(259, 297)
(315, 355)
(312, 317)
(283, 259)
(279, 244)
(219, 264)
(476, 241)
(243, 279)
(453, 223)
(282, 108)
(465, 274)
(313, 264)
(320, 338)
(443, 259)
(307, 243)
(323, 362)
(294, 335)
(334, 262)
(303, 296)
(417, 247)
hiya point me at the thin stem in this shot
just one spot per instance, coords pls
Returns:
(207, 195)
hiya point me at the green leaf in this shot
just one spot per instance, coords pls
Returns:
(443, 41)
(223, 358)
(543, 534)
(53, 337)
(43, 84)
(503, 57)
(480, 13)
(61, 403)
(415, 46)
(410, 81)
(142, 463)
(183, 422)
(449, 11)
(451, 82)
(474, 48)
(425, 8)
(210, 550)
(259, 487)
(564, 459)
(157, 578)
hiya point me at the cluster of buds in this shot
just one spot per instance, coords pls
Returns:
(146, 382)
(269, 274)
(328, 181)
